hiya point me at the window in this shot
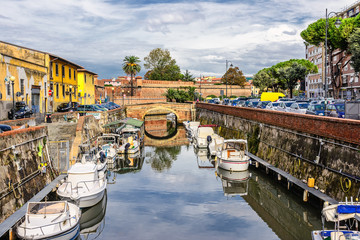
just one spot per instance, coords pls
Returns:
(85, 77)
(92, 79)
(8, 89)
(51, 70)
(63, 90)
(22, 86)
(63, 71)
(74, 92)
(56, 69)
(45, 92)
(69, 73)
(74, 75)
(57, 90)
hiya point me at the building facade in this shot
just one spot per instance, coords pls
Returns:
(86, 86)
(314, 83)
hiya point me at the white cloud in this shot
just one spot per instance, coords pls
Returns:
(200, 35)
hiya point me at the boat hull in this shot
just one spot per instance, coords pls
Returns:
(70, 234)
(326, 234)
(232, 165)
(85, 201)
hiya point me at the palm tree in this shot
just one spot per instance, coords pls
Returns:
(131, 66)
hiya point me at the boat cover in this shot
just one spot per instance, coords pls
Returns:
(339, 212)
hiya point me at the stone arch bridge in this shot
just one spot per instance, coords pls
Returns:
(183, 111)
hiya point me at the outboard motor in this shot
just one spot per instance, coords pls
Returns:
(208, 138)
(102, 157)
(127, 146)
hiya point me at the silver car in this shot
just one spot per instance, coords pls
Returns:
(272, 105)
(284, 106)
(299, 107)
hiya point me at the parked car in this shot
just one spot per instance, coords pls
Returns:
(284, 106)
(102, 108)
(335, 110)
(89, 107)
(253, 104)
(241, 103)
(67, 107)
(316, 109)
(272, 105)
(21, 111)
(211, 101)
(299, 107)
(216, 100)
(4, 128)
(114, 105)
(226, 101)
(284, 100)
(262, 104)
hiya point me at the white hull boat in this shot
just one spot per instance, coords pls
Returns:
(215, 144)
(108, 145)
(203, 136)
(130, 147)
(100, 165)
(84, 184)
(192, 128)
(340, 214)
(50, 220)
(232, 156)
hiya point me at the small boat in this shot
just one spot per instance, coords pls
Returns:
(191, 128)
(50, 220)
(215, 144)
(340, 214)
(100, 163)
(84, 184)
(234, 183)
(204, 136)
(131, 142)
(108, 146)
(231, 155)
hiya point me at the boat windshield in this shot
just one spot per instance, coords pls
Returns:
(46, 208)
(235, 145)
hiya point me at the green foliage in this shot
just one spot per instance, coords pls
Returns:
(181, 95)
(188, 77)
(131, 66)
(354, 49)
(161, 66)
(234, 76)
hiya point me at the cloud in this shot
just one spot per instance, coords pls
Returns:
(200, 35)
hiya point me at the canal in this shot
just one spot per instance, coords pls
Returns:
(173, 191)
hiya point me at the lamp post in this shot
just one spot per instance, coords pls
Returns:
(226, 82)
(112, 93)
(12, 79)
(337, 25)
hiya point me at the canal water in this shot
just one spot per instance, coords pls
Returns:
(174, 192)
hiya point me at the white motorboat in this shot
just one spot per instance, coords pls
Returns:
(204, 136)
(234, 183)
(131, 144)
(100, 164)
(340, 214)
(215, 144)
(50, 220)
(232, 155)
(108, 146)
(191, 128)
(84, 184)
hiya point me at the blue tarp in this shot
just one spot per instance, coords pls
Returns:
(346, 209)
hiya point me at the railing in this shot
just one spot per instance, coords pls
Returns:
(48, 225)
(82, 182)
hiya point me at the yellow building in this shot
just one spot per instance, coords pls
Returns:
(63, 81)
(86, 86)
(24, 75)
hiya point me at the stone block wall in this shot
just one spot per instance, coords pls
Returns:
(294, 142)
(20, 178)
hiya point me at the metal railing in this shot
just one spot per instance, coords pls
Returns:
(82, 182)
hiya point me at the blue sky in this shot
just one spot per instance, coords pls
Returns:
(200, 35)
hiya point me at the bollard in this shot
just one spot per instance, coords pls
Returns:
(305, 195)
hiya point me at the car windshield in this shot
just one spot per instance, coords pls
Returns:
(319, 107)
(303, 105)
(255, 103)
(63, 105)
(288, 104)
(340, 107)
(275, 104)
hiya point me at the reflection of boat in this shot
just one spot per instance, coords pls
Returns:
(215, 144)
(203, 158)
(50, 220)
(339, 214)
(191, 128)
(127, 163)
(232, 155)
(234, 183)
(84, 184)
(130, 142)
(92, 218)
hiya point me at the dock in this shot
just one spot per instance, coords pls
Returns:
(16, 216)
(293, 180)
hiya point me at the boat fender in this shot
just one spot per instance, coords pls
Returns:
(102, 157)
(209, 138)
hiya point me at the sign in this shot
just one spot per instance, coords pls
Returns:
(50, 92)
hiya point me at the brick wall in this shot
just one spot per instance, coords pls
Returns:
(346, 130)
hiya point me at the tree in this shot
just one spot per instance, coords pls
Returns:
(188, 77)
(191, 93)
(354, 49)
(170, 94)
(337, 38)
(161, 66)
(263, 80)
(234, 76)
(131, 66)
(292, 75)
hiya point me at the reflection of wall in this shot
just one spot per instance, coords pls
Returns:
(156, 125)
(178, 140)
(286, 216)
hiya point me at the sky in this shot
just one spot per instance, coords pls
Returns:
(200, 35)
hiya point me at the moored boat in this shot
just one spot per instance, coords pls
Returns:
(50, 220)
(84, 184)
(231, 155)
(203, 136)
(234, 183)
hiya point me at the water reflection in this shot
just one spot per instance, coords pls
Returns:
(162, 158)
(92, 221)
(160, 126)
(203, 158)
(129, 163)
(234, 183)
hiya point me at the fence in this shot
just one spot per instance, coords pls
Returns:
(59, 155)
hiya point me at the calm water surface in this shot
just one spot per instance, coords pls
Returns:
(171, 193)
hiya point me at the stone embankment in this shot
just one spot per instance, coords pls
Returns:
(323, 148)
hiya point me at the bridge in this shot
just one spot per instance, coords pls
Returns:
(183, 111)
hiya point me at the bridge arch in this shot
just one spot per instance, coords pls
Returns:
(159, 108)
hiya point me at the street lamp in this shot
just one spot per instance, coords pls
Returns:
(112, 94)
(337, 25)
(226, 75)
(12, 79)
